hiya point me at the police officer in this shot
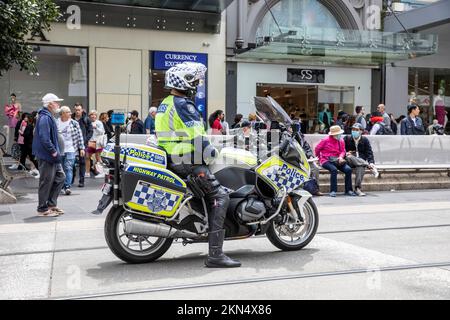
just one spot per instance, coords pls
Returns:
(181, 132)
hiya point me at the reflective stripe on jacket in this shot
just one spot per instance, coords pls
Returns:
(177, 125)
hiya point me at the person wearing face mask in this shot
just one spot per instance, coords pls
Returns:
(331, 153)
(359, 156)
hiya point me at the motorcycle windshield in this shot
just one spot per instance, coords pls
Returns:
(269, 110)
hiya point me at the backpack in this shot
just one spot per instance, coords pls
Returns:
(311, 186)
(384, 130)
(438, 129)
(359, 119)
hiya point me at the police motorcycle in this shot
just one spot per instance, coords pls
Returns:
(153, 206)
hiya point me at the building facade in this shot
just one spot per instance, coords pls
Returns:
(112, 55)
(311, 54)
(424, 79)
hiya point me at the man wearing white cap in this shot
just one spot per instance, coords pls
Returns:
(48, 153)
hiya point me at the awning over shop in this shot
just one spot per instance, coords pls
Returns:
(202, 16)
(213, 6)
(339, 46)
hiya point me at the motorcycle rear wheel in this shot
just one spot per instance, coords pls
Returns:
(279, 235)
(132, 248)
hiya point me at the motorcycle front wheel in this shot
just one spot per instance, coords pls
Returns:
(132, 248)
(292, 237)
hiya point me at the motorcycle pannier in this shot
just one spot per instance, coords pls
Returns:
(152, 190)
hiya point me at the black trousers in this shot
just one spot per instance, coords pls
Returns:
(81, 168)
(26, 151)
(217, 199)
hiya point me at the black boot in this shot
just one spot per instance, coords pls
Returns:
(216, 258)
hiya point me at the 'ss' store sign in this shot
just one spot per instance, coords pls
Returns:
(306, 75)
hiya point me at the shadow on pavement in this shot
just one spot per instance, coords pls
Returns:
(191, 266)
(36, 219)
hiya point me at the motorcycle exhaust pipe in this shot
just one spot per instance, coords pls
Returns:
(142, 228)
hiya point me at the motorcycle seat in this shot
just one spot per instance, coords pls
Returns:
(242, 192)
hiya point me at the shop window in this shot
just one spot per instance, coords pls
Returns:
(306, 101)
(161, 61)
(426, 86)
(158, 92)
(337, 98)
(61, 70)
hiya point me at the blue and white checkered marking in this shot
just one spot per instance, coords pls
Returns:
(155, 199)
(291, 179)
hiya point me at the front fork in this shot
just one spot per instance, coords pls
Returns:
(295, 202)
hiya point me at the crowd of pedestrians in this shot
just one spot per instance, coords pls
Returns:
(61, 142)
(346, 148)
(380, 122)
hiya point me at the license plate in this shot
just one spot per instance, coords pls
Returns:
(106, 188)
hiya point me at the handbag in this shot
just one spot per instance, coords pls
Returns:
(311, 186)
(333, 159)
(102, 141)
(99, 168)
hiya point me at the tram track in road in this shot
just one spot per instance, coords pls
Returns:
(386, 229)
(256, 237)
(257, 280)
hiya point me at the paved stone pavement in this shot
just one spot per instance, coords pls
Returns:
(388, 245)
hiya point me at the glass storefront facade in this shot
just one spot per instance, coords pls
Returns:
(306, 31)
(426, 86)
(61, 70)
(306, 101)
(406, 5)
(295, 14)
(311, 36)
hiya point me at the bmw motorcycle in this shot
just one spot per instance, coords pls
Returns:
(153, 206)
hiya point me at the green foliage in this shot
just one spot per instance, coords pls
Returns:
(18, 18)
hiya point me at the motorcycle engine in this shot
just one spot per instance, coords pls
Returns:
(251, 210)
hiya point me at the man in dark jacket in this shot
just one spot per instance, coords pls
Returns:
(300, 137)
(412, 124)
(137, 126)
(87, 130)
(47, 151)
(359, 156)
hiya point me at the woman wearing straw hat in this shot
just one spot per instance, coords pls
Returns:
(331, 153)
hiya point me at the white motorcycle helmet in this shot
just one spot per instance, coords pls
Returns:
(185, 76)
